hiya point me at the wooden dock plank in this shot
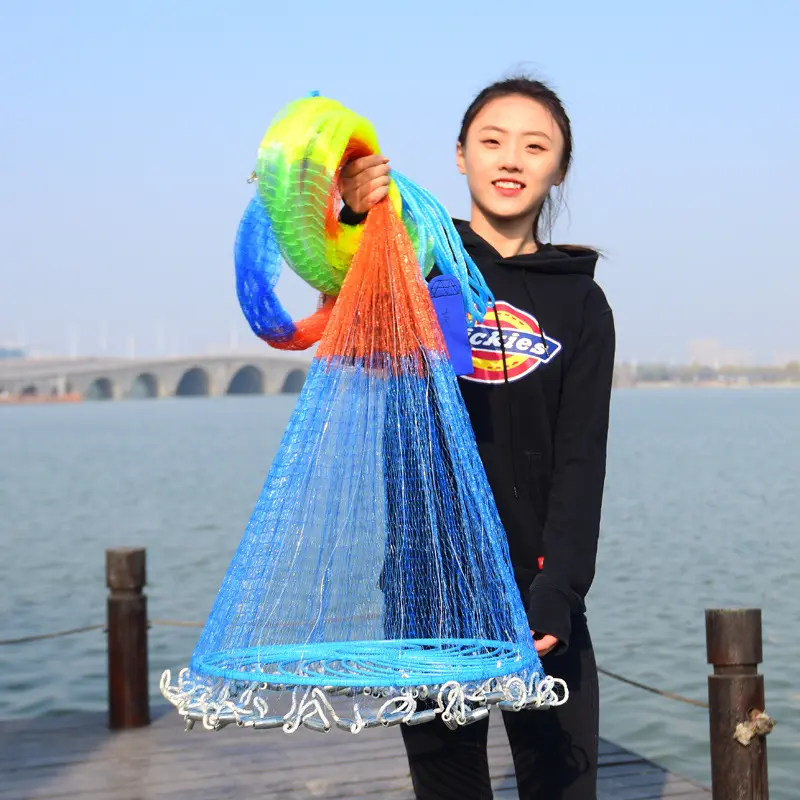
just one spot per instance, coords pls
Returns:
(77, 757)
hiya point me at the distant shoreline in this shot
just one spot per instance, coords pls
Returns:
(668, 385)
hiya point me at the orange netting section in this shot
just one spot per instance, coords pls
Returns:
(384, 285)
(308, 331)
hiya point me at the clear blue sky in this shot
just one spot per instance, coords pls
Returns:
(128, 129)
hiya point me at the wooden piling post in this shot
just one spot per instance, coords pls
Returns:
(735, 693)
(128, 695)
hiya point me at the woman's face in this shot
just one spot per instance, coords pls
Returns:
(511, 157)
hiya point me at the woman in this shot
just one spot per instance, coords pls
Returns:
(538, 400)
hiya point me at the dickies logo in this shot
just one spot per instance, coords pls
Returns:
(524, 344)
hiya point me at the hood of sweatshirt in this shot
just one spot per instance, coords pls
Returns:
(549, 259)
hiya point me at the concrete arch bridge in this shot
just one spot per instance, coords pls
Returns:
(117, 379)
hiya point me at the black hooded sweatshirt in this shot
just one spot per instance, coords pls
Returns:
(539, 404)
(539, 401)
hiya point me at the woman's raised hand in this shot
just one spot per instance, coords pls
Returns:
(364, 182)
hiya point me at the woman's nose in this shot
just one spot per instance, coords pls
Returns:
(511, 160)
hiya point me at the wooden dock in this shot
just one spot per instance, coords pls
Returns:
(78, 757)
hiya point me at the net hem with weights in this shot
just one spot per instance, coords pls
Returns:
(358, 685)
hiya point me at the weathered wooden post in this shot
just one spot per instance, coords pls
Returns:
(128, 696)
(736, 705)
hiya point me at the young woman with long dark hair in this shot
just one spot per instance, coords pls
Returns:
(538, 400)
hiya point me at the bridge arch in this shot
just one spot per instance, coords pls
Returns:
(293, 383)
(193, 383)
(144, 385)
(100, 389)
(247, 380)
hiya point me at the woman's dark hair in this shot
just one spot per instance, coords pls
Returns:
(545, 96)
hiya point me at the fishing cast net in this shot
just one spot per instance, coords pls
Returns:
(373, 584)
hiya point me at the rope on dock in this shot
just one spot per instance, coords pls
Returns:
(58, 634)
(174, 623)
(178, 623)
(671, 695)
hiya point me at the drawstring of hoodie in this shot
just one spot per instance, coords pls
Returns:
(542, 335)
(507, 390)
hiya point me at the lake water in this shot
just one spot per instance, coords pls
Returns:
(702, 510)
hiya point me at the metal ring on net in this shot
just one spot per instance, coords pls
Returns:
(358, 664)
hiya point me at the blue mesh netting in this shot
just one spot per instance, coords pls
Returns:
(258, 267)
(370, 531)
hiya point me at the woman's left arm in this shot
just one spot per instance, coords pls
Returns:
(579, 466)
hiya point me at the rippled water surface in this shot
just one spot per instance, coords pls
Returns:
(702, 510)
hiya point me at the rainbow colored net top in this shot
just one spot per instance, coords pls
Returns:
(294, 218)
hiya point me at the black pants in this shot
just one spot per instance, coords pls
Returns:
(554, 751)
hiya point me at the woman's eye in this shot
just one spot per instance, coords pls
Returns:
(490, 141)
(535, 147)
